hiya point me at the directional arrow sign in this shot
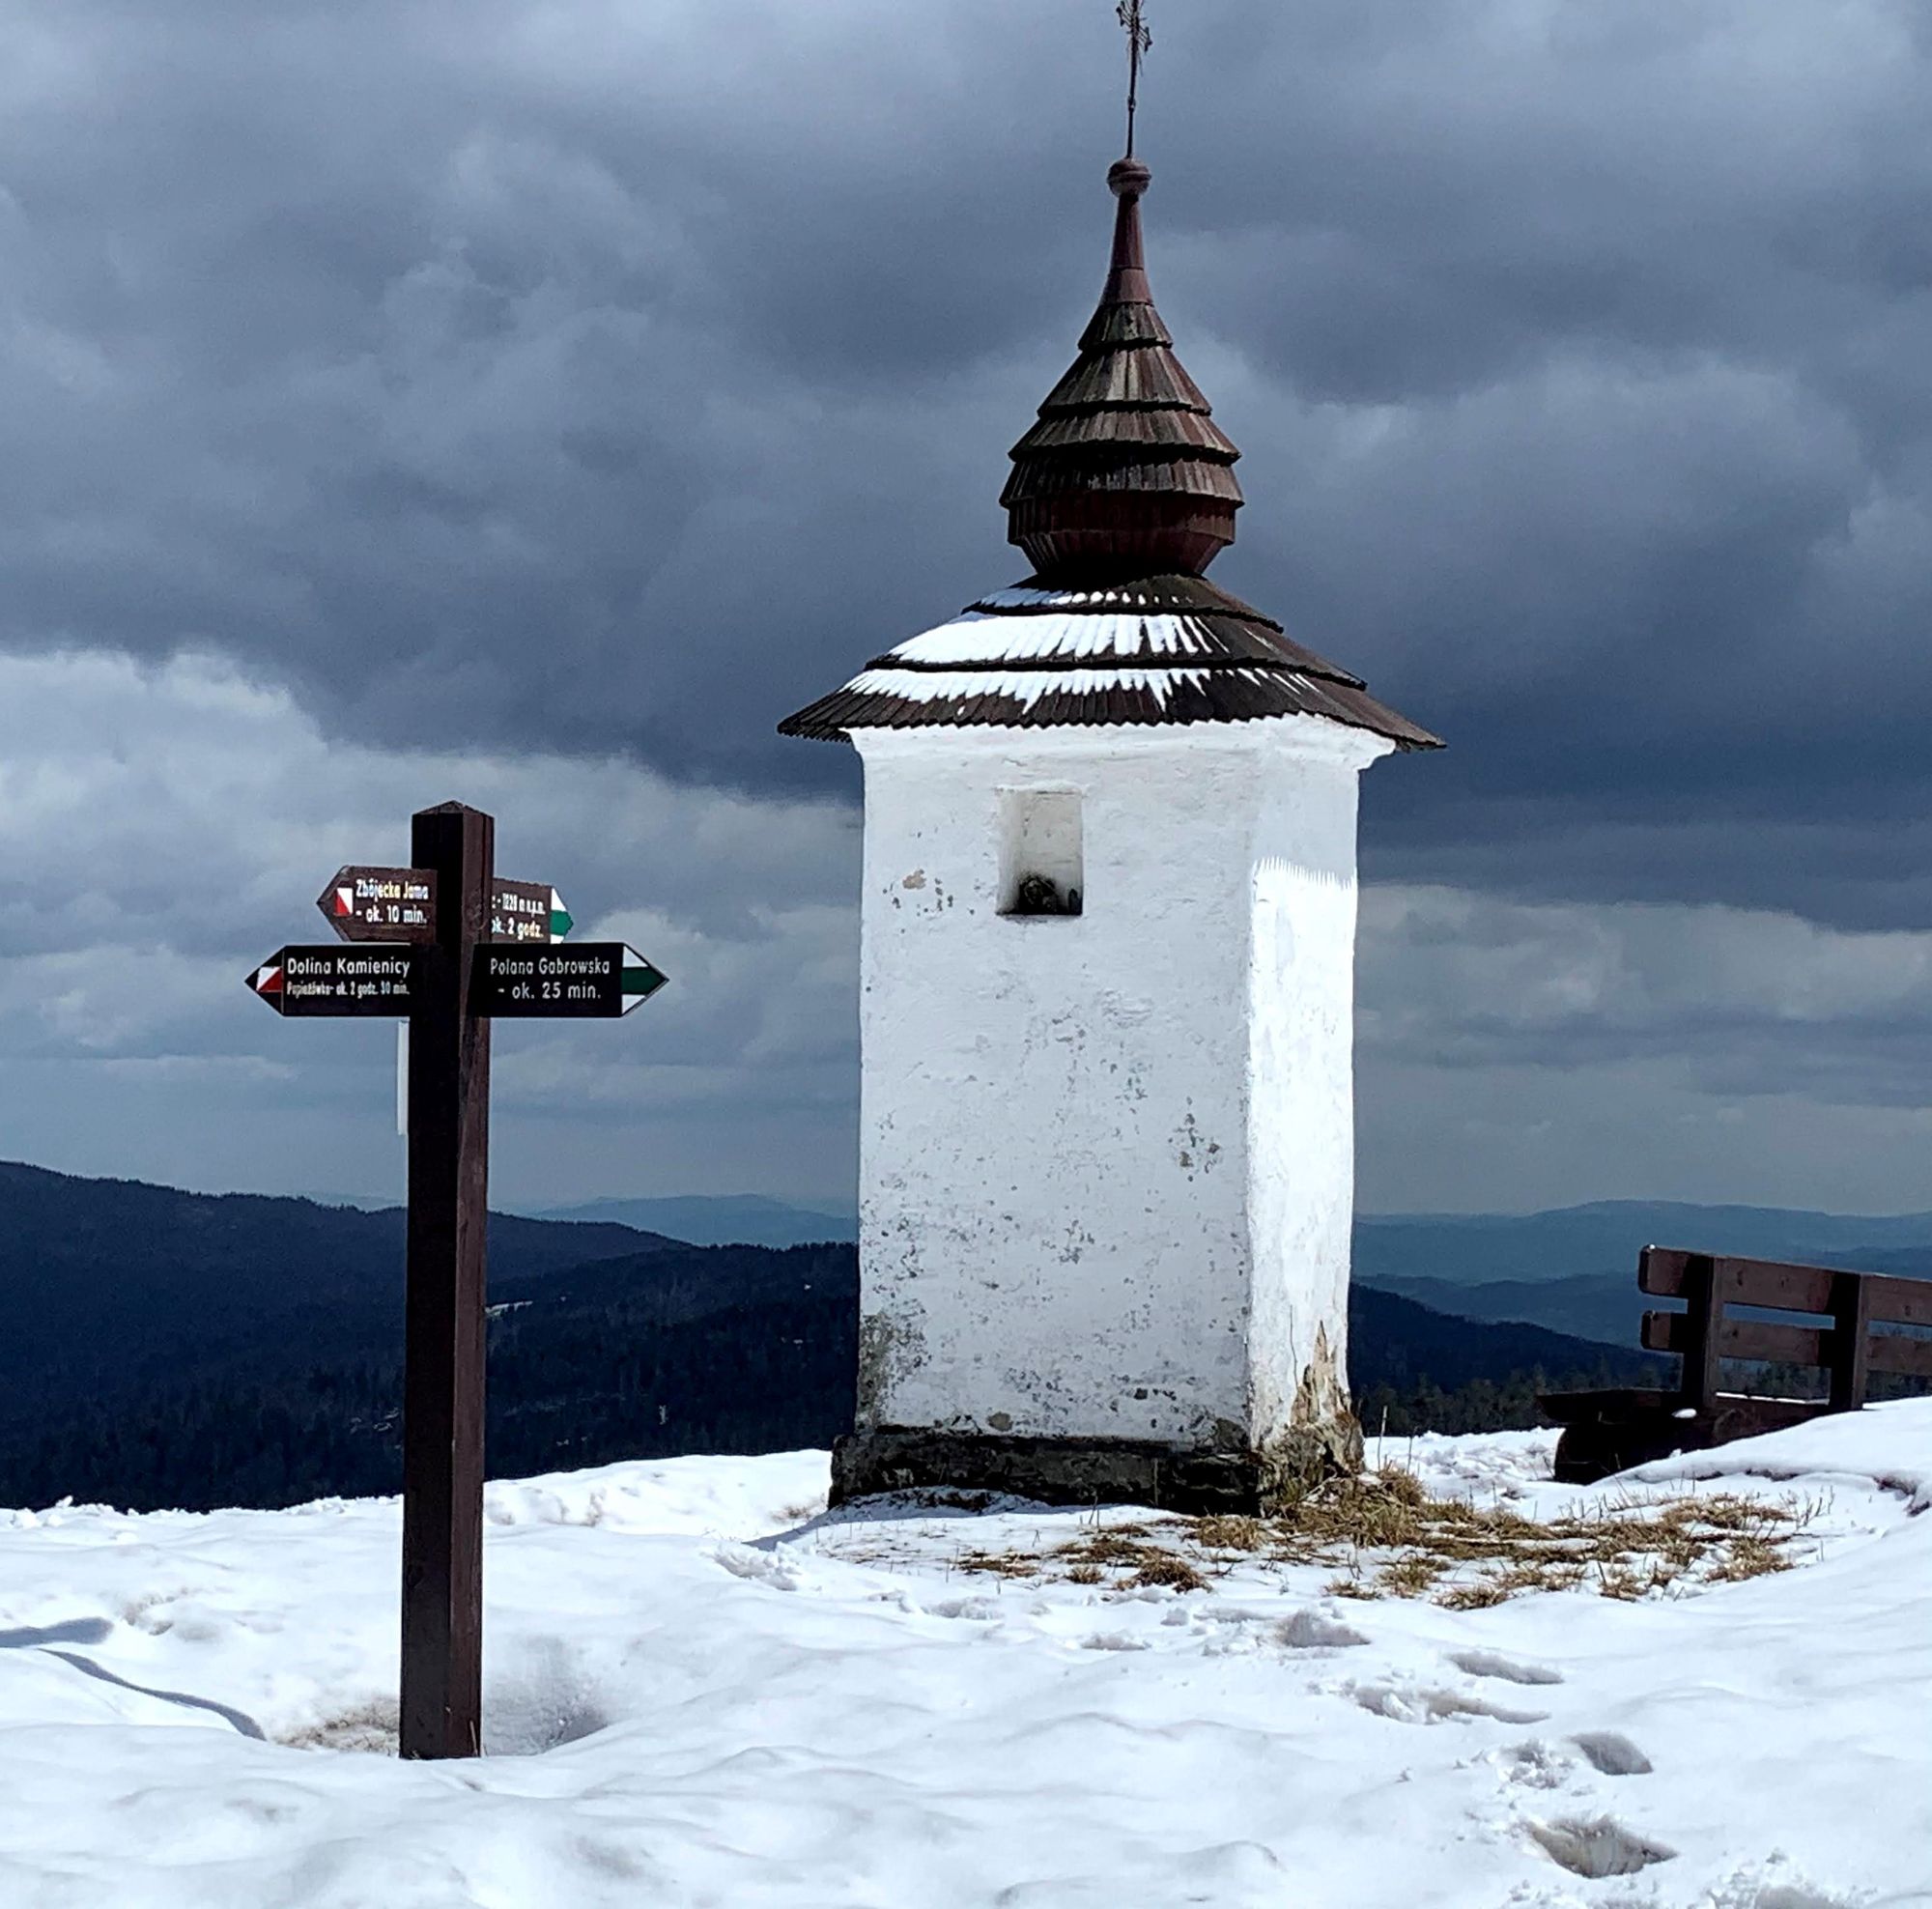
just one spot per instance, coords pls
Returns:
(369, 983)
(596, 981)
(380, 905)
(528, 911)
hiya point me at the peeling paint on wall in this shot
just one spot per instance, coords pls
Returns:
(890, 1347)
(1197, 1152)
(1322, 1393)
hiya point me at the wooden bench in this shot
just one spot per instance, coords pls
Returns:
(1609, 1431)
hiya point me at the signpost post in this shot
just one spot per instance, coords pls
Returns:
(474, 949)
(441, 1705)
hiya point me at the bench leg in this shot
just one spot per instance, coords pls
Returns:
(1848, 1360)
(1703, 1315)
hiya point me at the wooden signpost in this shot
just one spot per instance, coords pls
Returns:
(474, 949)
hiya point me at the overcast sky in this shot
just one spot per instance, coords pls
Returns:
(531, 401)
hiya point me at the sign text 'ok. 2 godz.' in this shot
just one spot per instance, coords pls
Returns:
(528, 911)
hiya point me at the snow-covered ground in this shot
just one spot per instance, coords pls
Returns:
(699, 1692)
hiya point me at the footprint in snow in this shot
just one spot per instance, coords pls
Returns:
(1417, 1704)
(1612, 1754)
(1597, 1848)
(977, 1610)
(1494, 1664)
(1308, 1630)
(1539, 1764)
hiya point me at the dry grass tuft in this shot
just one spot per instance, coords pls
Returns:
(1410, 1574)
(1391, 1539)
(1226, 1531)
(1403, 1485)
(1523, 1574)
(1129, 1556)
(1748, 1556)
(1167, 1571)
(1003, 1564)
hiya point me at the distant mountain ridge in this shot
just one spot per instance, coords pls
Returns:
(1574, 1270)
(710, 1219)
(1604, 1306)
(1606, 1236)
(1394, 1249)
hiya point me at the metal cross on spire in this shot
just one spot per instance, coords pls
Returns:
(1139, 40)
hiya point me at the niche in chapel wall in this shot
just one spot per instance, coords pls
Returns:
(1041, 869)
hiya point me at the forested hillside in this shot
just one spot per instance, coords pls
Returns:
(714, 1350)
(107, 1285)
(165, 1349)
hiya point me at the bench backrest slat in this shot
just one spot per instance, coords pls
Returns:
(1786, 1345)
(1662, 1272)
(1892, 1351)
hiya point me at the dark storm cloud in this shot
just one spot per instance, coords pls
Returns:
(595, 376)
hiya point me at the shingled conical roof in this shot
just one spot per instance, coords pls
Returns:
(1122, 495)
(1126, 473)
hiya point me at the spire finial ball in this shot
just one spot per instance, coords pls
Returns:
(1128, 179)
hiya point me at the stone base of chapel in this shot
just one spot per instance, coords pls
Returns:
(1086, 1472)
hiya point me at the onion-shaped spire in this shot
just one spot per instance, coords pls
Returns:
(1126, 473)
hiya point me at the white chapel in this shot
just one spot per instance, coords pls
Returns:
(1107, 975)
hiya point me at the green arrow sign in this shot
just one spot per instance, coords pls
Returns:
(641, 979)
(528, 911)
